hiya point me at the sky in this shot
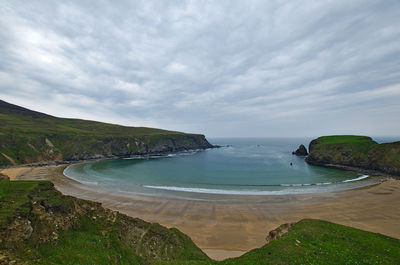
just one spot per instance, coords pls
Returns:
(220, 68)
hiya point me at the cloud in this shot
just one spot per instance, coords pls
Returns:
(225, 68)
(176, 68)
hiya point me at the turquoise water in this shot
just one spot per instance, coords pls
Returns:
(244, 167)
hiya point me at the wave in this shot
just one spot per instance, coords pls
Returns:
(356, 179)
(326, 183)
(306, 184)
(88, 182)
(255, 192)
(224, 192)
(66, 173)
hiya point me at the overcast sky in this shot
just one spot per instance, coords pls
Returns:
(221, 68)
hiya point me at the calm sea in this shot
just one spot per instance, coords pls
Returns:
(256, 166)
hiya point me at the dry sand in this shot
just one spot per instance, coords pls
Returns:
(225, 229)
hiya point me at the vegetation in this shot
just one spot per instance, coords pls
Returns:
(321, 242)
(27, 136)
(355, 151)
(38, 225)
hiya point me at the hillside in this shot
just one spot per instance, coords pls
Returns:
(355, 151)
(321, 242)
(29, 137)
(39, 225)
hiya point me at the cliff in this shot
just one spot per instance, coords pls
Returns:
(355, 151)
(30, 137)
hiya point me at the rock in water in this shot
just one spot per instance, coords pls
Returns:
(301, 151)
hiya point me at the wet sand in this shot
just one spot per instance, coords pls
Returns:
(231, 227)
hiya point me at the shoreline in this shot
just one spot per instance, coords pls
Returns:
(224, 229)
(370, 172)
(102, 157)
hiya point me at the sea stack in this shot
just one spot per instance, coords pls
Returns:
(301, 151)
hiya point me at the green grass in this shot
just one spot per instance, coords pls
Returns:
(17, 119)
(86, 244)
(357, 144)
(339, 139)
(323, 242)
(14, 199)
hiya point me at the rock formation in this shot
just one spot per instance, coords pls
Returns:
(301, 151)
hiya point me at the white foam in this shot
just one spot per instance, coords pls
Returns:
(227, 192)
(356, 179)
(88, 182)
(305, 184)
(81, 181)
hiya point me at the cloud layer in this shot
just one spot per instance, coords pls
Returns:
(223, 68)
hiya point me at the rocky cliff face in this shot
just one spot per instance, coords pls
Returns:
(355, 151)
(71, 148)
(386, 158)
(129, 146)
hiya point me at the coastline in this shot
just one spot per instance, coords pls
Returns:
(224, 229)
(365, 171)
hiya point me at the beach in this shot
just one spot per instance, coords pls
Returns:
(230, 227)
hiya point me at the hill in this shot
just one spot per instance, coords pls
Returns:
(355, 151)
(28, 136)
(39, 225)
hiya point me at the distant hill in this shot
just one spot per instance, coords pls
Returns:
(28, 136)
(355, 151)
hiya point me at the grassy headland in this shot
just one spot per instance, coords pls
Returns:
(355, 151)
(29, 137)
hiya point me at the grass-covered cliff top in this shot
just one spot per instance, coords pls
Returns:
(340, 139)
(28, 137)
(38, 225)
(355, 151)
(22, 120)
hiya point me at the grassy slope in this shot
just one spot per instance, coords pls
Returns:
(72, 231)
(321, 242)
(356, 151)
(118, 239)
(23, 135)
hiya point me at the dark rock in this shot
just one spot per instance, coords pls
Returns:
(301, 151)
(278, 232)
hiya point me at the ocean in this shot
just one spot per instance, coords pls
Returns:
(242, 167)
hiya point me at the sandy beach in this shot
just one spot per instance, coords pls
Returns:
(229, 228)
